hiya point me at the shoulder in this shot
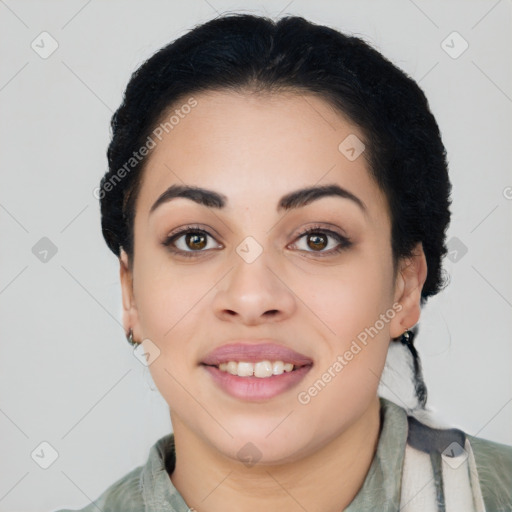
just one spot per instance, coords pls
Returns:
(490, 451)
(124, 495)
(494, 466)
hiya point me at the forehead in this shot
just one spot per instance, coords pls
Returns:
(255, 148)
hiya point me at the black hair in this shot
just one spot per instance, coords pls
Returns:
(254, 54)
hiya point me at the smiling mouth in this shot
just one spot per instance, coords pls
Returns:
(261, 369)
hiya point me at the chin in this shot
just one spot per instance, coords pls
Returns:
(264, 451)
(263, 443)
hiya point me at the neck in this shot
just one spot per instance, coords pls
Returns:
(326, 481)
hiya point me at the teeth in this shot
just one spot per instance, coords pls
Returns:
(277, 367)
(261, 369)
(245, 369)
(232, 367)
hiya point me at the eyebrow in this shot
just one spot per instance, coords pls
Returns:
(293, 200)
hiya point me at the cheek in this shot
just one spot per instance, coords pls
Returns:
(171, 306)
(347, 298)
(350, 303)
(170, 313)
(166, 296)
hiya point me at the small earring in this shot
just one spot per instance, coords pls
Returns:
(129, 337)
(407, 337)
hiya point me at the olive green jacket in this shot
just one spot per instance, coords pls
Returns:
(148, 488)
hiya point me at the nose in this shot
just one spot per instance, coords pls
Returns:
(254, 293)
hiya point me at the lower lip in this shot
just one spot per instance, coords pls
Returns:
(256, 388)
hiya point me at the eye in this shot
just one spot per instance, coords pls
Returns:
(318, 239)
(189, 241)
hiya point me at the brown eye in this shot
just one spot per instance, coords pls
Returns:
(195, 241)
(322, 242)
(317, 242)
(190, 241)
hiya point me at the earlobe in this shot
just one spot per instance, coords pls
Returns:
(410, 280)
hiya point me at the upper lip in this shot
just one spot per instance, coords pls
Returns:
(252, 352)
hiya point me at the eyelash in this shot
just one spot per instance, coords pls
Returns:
(343, 242)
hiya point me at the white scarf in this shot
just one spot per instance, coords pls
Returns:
(460, 482)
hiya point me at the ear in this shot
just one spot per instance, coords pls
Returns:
(130, 313)
(411, 277)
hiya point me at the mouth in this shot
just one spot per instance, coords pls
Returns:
(256, 372)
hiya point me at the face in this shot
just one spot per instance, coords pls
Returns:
(241, 269)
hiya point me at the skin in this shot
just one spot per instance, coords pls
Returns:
(254, 149)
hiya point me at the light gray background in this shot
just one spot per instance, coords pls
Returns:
(68, 377)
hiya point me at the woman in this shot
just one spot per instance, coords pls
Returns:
(278, 198)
